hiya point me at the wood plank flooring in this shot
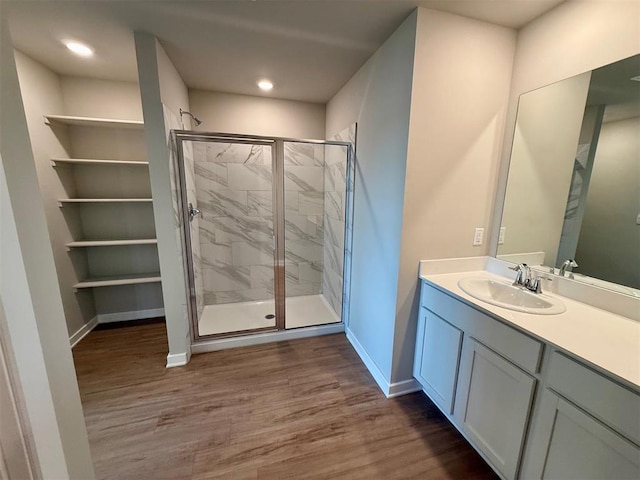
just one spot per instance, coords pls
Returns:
(303, 409)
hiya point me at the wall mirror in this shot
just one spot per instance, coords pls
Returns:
(573, 190)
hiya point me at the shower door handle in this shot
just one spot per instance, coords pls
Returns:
(193, 212)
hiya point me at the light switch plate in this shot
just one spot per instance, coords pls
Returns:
(638, 219)
(503, 231)
(478, 237)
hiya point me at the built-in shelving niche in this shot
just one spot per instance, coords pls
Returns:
(93, 122)
(109, 196)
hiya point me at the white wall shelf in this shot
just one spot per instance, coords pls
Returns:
(111, 243)
(92, 122)
(109, 169)
(112, 281)
(87, 161)
(64, 201)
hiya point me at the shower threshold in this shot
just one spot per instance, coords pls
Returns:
(302, 311)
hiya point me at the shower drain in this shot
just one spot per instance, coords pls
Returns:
(270, 316)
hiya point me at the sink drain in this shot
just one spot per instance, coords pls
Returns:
(270, 316)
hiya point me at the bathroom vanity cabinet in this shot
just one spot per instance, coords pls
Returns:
(586, 426)
(528, 408)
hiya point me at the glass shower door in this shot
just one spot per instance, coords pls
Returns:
(315, 197)
(230, 197)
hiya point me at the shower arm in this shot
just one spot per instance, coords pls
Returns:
(195, 119)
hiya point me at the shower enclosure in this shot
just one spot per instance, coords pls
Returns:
(266, 231)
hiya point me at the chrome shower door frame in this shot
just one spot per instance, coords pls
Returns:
(178, 137)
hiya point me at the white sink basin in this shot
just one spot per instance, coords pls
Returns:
(505, 295)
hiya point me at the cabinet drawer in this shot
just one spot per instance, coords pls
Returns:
(611, 403)
(521, 349)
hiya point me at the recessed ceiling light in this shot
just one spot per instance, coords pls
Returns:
(636, 79)
(265, 85)
(79, 49)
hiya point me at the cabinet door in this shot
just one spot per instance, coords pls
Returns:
(492, 405)
(437, 358)
(568, 443)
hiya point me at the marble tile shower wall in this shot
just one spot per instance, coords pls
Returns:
(194, 225)
(335, 204)
(233, 189)
(234, 192)
(304, 218)
(171, 122)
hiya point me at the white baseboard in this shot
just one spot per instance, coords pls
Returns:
(178, 359)
(398, 389)
(377, 374)
(83, 331)
(128, 316)
(390, 390)
(261, 338)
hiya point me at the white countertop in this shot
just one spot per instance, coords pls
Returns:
(608, 341)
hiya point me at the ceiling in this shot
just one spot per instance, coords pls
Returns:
(308, 48)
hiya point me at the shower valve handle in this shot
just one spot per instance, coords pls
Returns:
(193, 212)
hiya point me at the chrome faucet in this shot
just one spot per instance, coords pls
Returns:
(567, 266)
(526, 279)
(523, 275)
(535, 284)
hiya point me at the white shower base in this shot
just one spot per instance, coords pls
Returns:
(303, 311)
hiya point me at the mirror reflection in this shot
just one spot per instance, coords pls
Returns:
(573, 192)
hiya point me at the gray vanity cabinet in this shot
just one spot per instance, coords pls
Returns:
(436, 363)
(492, 405)
(474, 368)
(587, 426)
(532, 410)
(568, 443)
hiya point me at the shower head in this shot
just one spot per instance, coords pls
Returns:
(195, 119)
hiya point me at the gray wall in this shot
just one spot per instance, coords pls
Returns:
(461, 79)
(160, 83)
(91, 97)
(45, 92)
(30, 295)
(42, 94)
(425, 179)
(15, 434)
(452, 176)
(378, 98)
(591, 34)
(544, 150)
(253, 115)
(609, 242)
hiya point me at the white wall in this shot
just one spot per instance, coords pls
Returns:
(571, 39)
(609, 243)
(254, 115)
(30, 295)
(544, 150)
(461, 79)
(160, 83)
(378, 97)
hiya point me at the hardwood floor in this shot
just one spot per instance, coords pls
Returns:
(303, 409)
